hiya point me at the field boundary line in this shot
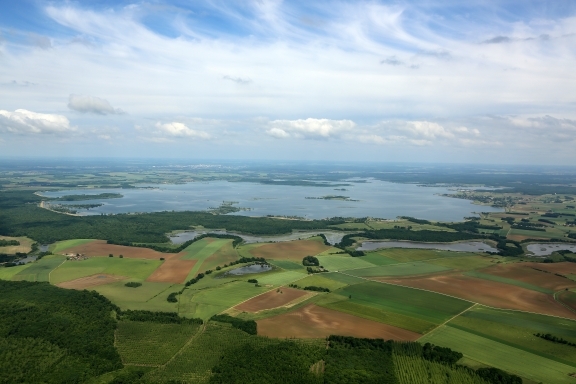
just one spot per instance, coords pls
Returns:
(50, 273)
(459, 298)
(197, 334)
(449, 320)
(561, 303)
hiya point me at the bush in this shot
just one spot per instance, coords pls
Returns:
(133, 284)
(172, 298)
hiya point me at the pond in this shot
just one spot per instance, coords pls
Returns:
(366, 198)
(545, 249)
(467, 246)
(249, 269)
(332, 237)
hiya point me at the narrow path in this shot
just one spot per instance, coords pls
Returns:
(50, 273)
(449, 320)
(561, 303)
(196, 335)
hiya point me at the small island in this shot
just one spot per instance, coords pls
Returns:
(88, 197)
(332, 197)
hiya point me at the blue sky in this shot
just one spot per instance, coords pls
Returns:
(451, 81)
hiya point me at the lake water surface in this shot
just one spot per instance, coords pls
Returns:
(249, 269)
(332, 237)
(545, 249)
(375, 198)
(467, 246)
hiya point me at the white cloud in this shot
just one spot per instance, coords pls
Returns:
(176, 129)
(309, 128)
(91, 104)
(24, 122)
(428, 130)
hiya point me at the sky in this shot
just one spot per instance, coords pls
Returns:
(479, 81)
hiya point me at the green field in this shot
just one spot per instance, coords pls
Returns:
(150, 296)
(40, 270)
(465, 263)
(501, 356)
(377, 259)
(288, 265)
(151, 343)
(138, 269)
(342, 278)
(407, 255)
(428, 306)
(505, 280)
(202, 250)
(279, 278)
(371, 313)
(342, 263)
(8, 273)
(404, 269)
(319, 280)
(62, 246)
(415, 370)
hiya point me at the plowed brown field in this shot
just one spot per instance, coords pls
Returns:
(172, 271)
(100, 248)
(91, 281)
(290, 250)
(525, 272)
(312, 321)
(490, 293)
(272, 299)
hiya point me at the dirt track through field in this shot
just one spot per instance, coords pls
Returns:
(312, 321)
(490, 293)
(271, 299)
(91, 281)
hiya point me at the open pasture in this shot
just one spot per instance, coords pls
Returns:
(203, 248)
(531, 273)
(8, 273)
(290, 250)
(277, 278)
(91, 281)
(62, 247)
(40, 270)
(407, 255)
(149, 296)
(273, 299)
(151, 343)
(404, 269)
(378, 259)
(288, 265)
(423, 305)
(342, 263)
(491, 293)
(101, 248)
(502, 356)
(465, 263)
(320, 280)
(312, 321)
(379, 315)
(172, 271)
(24, 247)
(223, 255)
(138, 269)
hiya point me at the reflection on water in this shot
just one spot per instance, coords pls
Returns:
(248, 269)
(468, 246)
(545, 249)
(373, 198)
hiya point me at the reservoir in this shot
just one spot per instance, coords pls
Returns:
(467, 246)
(545, 249)
(368, 198)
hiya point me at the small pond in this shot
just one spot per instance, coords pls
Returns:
(468, 246)
(545, 249)
(248, 269)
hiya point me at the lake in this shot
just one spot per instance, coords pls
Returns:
(332, 237)
(465, 246)
(545, 249)
(373, 198)
(249, 269)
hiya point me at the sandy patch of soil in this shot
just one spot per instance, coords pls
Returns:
(172, 271)
(272, 299)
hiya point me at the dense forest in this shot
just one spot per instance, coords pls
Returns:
(54, 335)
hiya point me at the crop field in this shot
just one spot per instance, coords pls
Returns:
(290, 250)
(422, 305)
(138, 269)
(172, 271)
(91, 281)
(40, 270)
(342, 263)
(404, 269)
(24, 247)
(223, 255)
(272, 299)
(568, 298)
(415, 370)
(381, 316)
(288, 265)
(407, 255)
(342, 278)
(101, 248)
(202, 249)
(151, 343)
(279, 278)
(501, 356)
(526, 272)
(312, 321)
(500, 279)
(490, 293)
(516, 336)
(319, 280)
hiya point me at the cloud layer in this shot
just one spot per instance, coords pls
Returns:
(23, 122)
(91, 104)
